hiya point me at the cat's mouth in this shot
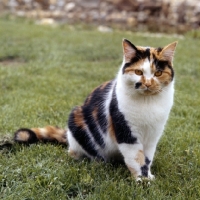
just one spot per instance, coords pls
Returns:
(147, 91)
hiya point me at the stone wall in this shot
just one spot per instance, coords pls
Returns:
(154, 15)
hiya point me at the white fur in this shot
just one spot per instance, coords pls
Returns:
(146, 69)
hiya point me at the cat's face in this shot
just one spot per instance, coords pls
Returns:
(148, 70)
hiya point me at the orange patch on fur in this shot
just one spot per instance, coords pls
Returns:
(166, 76)
(140, 158)
(73, 154)
(51, 133)
(133, 171)
(78, 118)
(22, 136)
(140, 48)
(131, 69)
(104, 85)
(111, 129)
(156, 54)
(94, 113)
(38, 133)
(88, 99)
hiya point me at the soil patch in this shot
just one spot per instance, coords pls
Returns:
(11, 61)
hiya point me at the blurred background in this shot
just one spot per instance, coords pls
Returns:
(169, 16)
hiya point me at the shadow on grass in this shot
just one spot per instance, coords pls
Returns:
(8, 145)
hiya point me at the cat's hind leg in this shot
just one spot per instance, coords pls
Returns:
(74, 149)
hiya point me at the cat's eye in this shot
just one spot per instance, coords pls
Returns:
(138, 72)
(158, 73)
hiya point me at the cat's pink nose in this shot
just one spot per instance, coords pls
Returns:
(148, 83)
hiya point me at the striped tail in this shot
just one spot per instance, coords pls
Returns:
(46, 134)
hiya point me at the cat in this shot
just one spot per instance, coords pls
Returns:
(122, 119)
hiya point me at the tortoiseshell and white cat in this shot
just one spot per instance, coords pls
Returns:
(123, 118)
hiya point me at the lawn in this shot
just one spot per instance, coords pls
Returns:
(45, 72)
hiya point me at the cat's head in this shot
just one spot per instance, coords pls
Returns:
(148, 70)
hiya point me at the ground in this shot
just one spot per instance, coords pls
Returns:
(46, 71)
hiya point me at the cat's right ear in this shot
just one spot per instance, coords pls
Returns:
(129, 50)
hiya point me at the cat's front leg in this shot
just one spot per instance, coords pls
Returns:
(149, 152)
(135, 159)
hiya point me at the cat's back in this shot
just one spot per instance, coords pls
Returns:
(94, 108)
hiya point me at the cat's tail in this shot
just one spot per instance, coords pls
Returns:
(46, 134)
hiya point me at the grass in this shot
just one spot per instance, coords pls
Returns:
(45, 72)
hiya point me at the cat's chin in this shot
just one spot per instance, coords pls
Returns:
(148, 92)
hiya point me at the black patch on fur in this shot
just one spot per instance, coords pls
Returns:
(32, 138)
(137, 85)
(81, 136)
(144, 170)
(147, 52)
(126, 65)
(147, 161)
(130, 44)
(159, 49)
(97, 100)
(93, 126)
(121, 128)
(162, 64)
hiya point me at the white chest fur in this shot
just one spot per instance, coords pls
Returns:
(146, 115)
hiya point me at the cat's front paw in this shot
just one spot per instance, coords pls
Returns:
(142, 179)
(151, 177)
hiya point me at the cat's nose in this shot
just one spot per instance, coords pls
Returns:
(148, 83)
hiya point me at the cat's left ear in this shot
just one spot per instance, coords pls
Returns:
(168, 52)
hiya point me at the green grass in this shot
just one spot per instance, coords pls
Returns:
(45, 72)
